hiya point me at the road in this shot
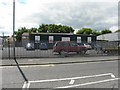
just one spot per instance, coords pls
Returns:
(79, 75)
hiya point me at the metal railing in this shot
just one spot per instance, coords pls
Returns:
(21, 52)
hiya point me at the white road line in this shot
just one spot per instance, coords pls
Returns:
(72, 82)
(112, 75)
(90, 83)
(49, 65)
(26, 85)
(73, 78)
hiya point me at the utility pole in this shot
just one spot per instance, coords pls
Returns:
(13, 29)
(14, 57)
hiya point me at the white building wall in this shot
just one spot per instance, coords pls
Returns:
(110, 37)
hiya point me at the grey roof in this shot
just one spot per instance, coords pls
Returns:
(110, 37)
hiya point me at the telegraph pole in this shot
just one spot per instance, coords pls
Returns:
(13, 29)
(14, 57)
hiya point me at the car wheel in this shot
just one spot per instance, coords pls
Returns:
(63, 53)
(83, 52)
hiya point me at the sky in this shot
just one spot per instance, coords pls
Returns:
(95, 14)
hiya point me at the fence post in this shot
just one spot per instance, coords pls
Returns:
(9, 48)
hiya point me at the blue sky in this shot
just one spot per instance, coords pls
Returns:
(95, 14)
(22, 1)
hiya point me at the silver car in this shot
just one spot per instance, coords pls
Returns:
(30, 46)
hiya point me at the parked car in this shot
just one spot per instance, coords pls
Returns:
(62, 47)
(88, 46)
(30, 46)
(43, 46)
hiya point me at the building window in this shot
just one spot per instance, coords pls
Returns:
(37, 39)
(65, 38)
(51, 39)
(78, 39)
(89, 40)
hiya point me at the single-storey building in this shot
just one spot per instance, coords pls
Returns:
(109, 40)
(110, 36)
(51, 38)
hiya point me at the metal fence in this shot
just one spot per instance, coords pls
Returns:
(21, 52)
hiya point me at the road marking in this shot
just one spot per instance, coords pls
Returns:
(112, 75)
(72, 82)
(26, 85)
(73, 78)
(27, 66)
(89, 83)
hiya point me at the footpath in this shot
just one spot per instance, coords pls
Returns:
(60, 60)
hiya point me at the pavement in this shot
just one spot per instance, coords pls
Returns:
(60, 60)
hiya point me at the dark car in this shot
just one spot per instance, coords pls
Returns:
(68, 46)
(30, 46)
(43, 46)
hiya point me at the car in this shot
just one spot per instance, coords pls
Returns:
(30, 46)
(88, 46)
(43, 46)
(63, 47)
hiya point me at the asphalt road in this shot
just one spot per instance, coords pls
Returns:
(80, 75)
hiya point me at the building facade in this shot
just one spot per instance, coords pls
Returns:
(51, 38)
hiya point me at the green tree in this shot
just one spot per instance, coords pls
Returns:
(118, 30)
(44, 28)
(95, 32)
(106, 31)
(53, 28)
(88, 31)
(85, 31)
(19, 33)
(33, 30)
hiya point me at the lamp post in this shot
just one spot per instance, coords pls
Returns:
(13, 29)
(26, 80)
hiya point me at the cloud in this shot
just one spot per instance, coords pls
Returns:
(76, 13)
(114, 28)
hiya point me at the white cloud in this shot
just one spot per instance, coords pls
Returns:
(76, 13)
(114, 28)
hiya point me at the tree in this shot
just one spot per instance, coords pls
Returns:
(85, 31)
(88, 31)
(118, 30)
(20, 32)
(53, 28)
(106, 31)
(44, 28)
(95, 32)
(34, 30)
